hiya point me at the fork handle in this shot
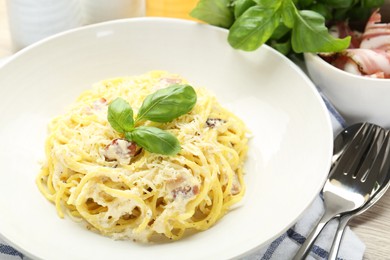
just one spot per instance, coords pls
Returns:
(338, 237)
(306, 246)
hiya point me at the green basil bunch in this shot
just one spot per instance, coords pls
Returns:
(162, 106)
(290, 26)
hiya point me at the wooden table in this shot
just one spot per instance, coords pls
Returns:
(373, 227)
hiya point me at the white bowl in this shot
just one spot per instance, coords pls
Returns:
(356, 98)
(289, 154)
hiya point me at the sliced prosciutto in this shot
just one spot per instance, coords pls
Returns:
(372, 57)
(366, 62)
(376, 35)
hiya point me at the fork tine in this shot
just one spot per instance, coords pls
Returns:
(386, 163)
(380, 164)
(342, 140)
(385, 167)
(362, 151)
(371, 155)
(343, 163)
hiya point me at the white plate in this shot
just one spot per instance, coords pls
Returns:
(289, 155)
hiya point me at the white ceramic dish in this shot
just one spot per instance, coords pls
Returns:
(289, 154)
(356, 98)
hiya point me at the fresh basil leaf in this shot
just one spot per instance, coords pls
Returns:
(280, 32)
(288, 13)
(339, 14)
(214, 12)
(323, 10)
(341, 3)
(168, 103)
(360, 14)
(269, 4)
(253, 28)
(240, 6)
(304, 3)
(372, 3)
(120, 115)
(155, 140)
(310, 34)
(282, 47)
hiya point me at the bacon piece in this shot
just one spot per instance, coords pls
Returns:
(121, 150)
(378, 75)
(366, 62)
(182, 187)
(342, 30)
(166, 81)
(214, 122)
(185, 191)
(172, 80)
(371, 62)
(99, 104)
(376, 34)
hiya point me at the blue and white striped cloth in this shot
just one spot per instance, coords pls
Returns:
(285, 246)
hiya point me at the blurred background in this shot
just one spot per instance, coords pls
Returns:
(19, 29)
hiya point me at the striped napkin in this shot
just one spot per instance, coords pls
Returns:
(285, 246)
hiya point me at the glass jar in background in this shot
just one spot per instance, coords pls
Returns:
(33, 20)
(30, 21)
(170, 8)
(96, 11)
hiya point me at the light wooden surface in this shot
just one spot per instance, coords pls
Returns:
(373, 227)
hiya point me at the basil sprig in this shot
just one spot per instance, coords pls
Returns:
(120, 115)
(290, 26)
(162, 106)
(155, 140)
(167, 104)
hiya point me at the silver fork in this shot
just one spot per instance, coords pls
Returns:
(382, 186)
(351, 181)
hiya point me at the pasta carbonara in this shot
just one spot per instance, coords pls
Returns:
(120, 190)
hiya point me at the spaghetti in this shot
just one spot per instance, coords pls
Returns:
(93, 174)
